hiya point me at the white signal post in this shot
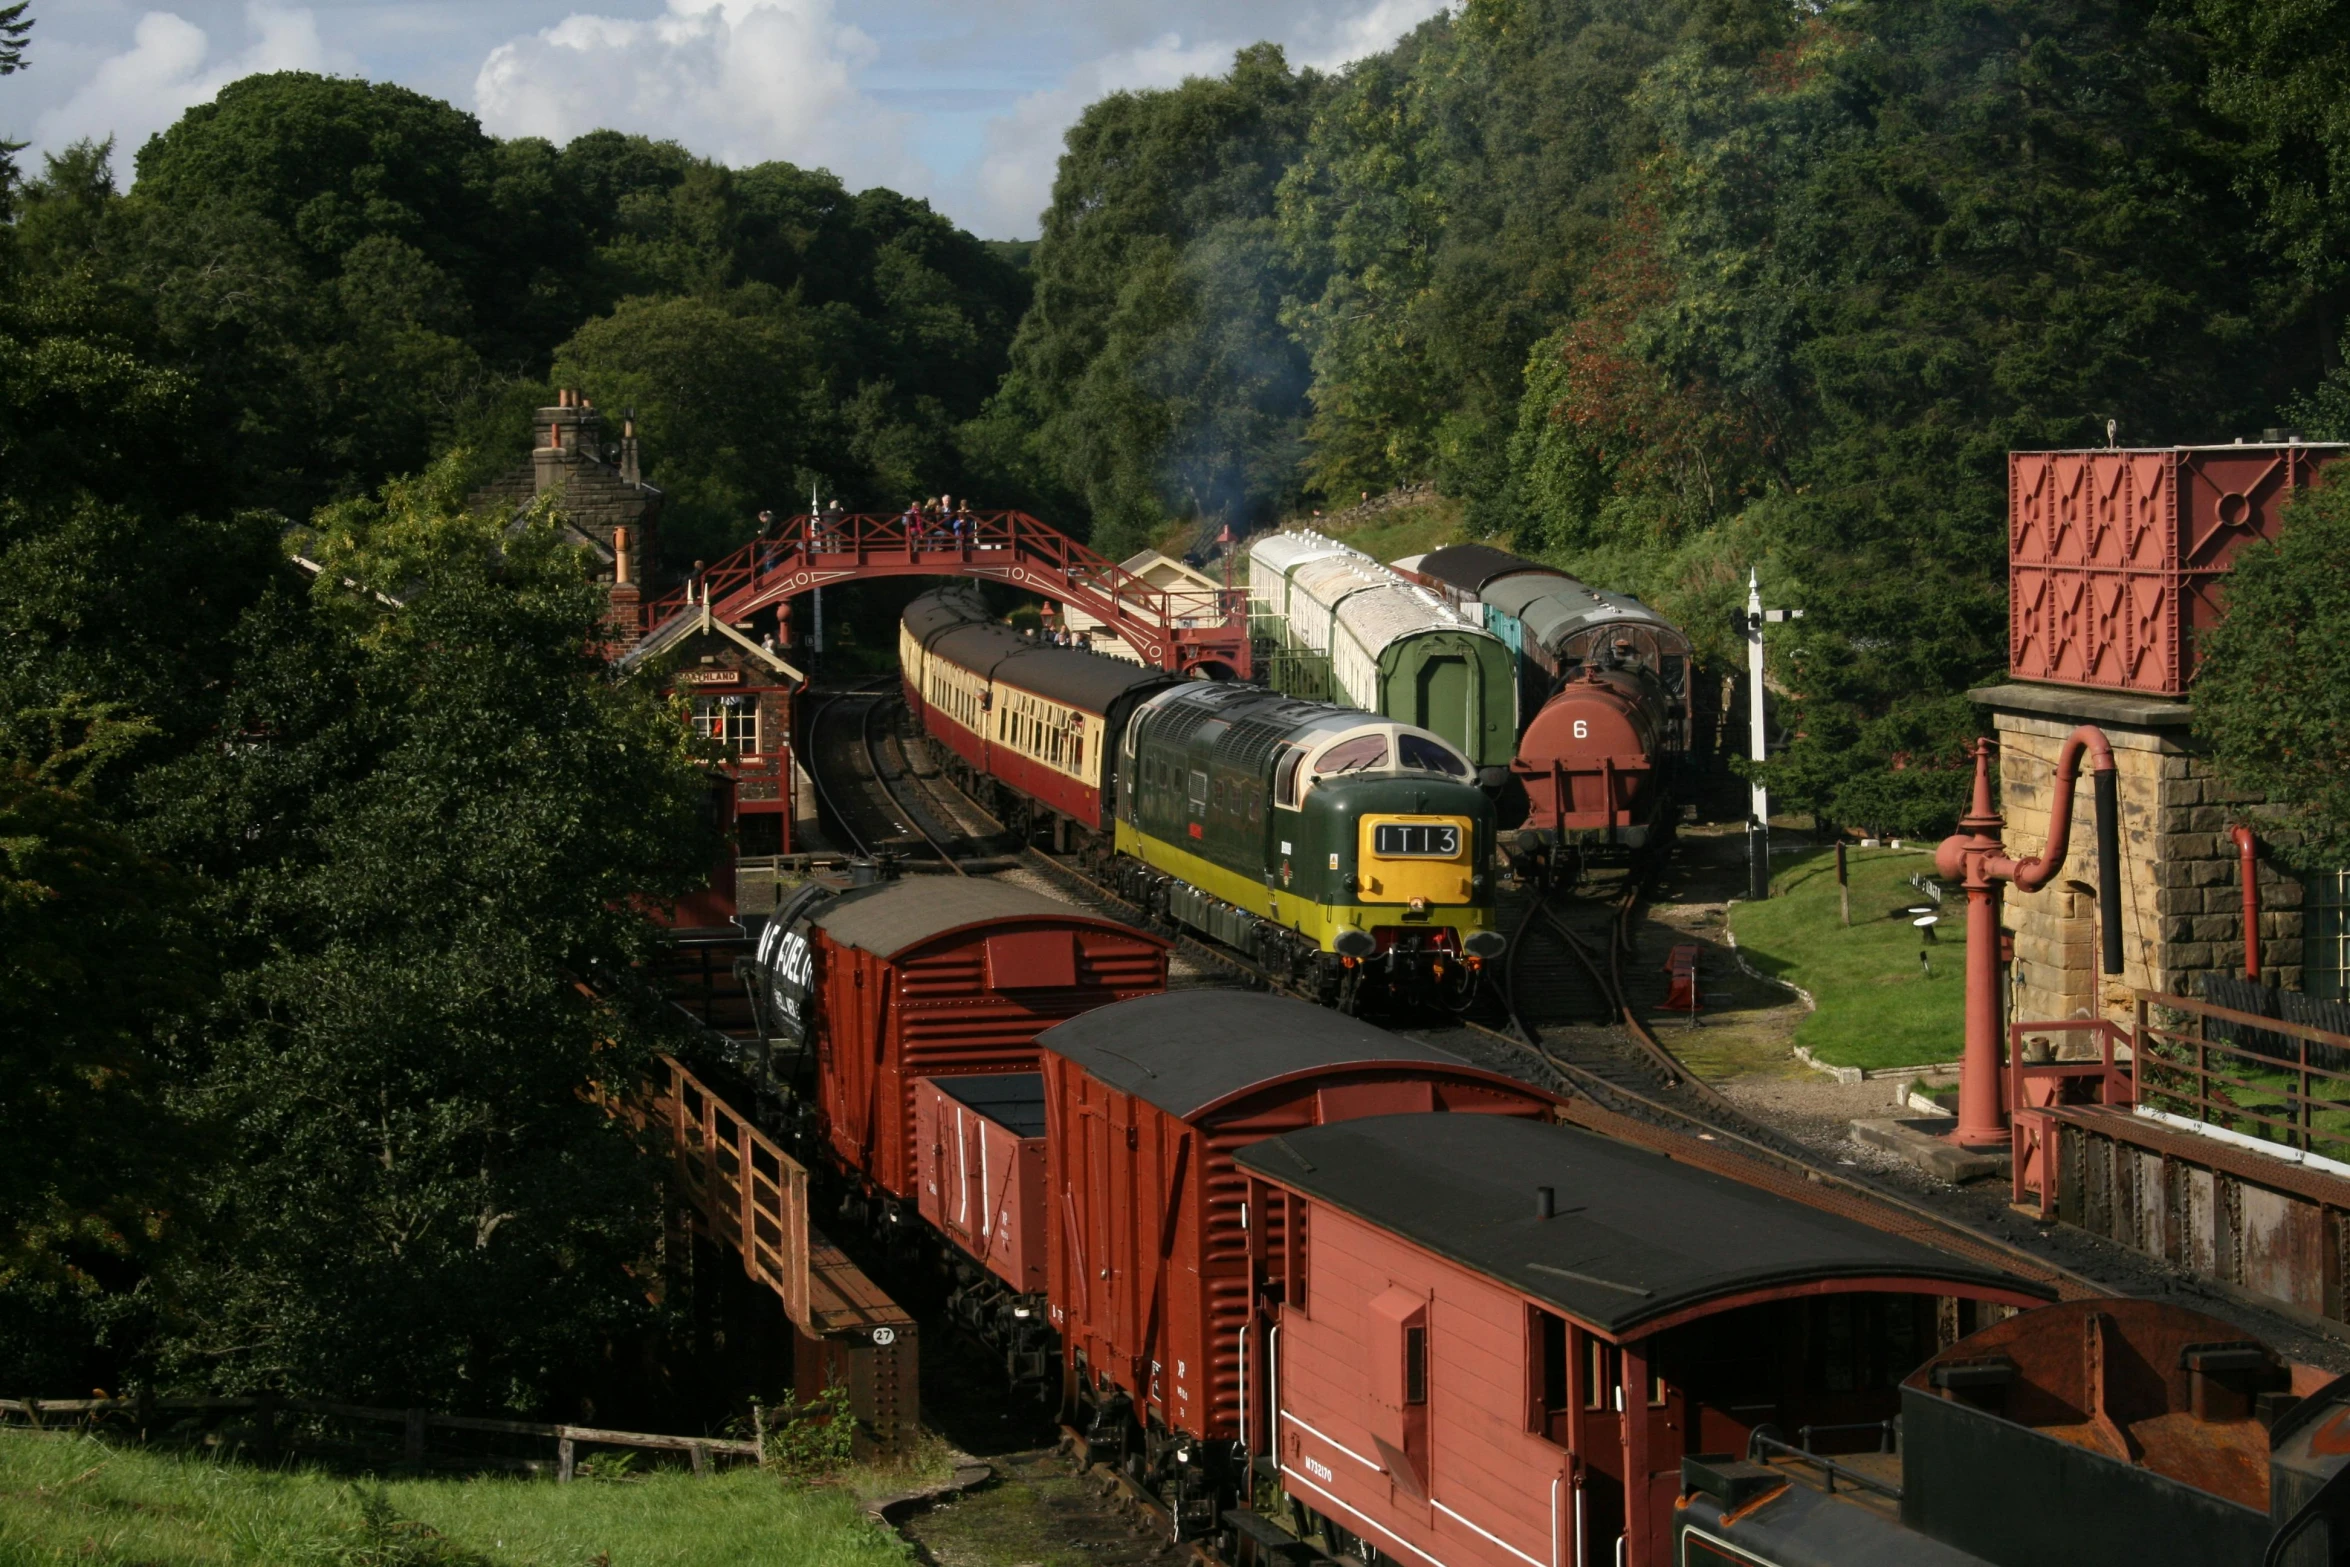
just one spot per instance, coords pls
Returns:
(1758, 822)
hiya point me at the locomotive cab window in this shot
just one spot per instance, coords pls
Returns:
(1285, 779)
(1199, 791)
(1360, 754)
(1422, 754)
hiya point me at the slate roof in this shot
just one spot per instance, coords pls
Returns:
(1635, 1236)
(889, 917)
(1186, 1051)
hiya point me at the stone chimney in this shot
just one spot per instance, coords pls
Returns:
(567, 433)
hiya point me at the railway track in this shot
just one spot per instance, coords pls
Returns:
(1624, 1081)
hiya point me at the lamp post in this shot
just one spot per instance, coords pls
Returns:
(1758, 817)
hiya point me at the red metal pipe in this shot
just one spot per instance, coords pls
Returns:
(2247, 858)
(1976, 856)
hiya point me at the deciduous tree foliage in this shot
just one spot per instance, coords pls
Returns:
(440, 817)
(2273, 696)
(355, 277)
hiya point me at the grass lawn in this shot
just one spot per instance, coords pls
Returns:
(1405, 530)
(1877, 1007)
(72, 1499)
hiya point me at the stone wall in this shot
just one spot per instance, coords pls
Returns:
(2182, 904)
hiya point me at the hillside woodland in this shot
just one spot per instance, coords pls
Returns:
(300, 871)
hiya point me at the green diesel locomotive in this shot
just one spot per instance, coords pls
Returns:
(1352, 852)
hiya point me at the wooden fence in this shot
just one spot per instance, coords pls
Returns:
(75, 1414)
(752, 1194)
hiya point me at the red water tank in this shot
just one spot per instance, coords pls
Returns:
(1588, 761)
(2117, 558)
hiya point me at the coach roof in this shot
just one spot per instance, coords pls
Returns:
(1470, 566)
(1634, 1236)
(1081, 679)
(1191, 1050)
(887, 919)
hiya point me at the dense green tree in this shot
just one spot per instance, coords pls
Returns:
(447, 812)
(729, 394)
(1152, 368)
(2272, 697)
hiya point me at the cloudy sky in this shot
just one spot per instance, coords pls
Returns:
(962, 101)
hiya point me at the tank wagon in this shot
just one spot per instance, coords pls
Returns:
(2094, 1431)
(1491, 1342)
(1352, 853)
(1344, 628)
(1606, 684)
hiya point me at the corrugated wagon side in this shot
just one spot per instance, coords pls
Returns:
(938, 978)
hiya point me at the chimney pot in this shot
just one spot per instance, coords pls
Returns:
(1545, 1202)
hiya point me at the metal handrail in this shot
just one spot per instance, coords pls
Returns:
(1760, 1445)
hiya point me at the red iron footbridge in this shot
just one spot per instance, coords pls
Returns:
(1181, 629)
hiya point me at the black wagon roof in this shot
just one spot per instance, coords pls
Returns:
(887, 918)
(1185, 1051)
(1013, 1100)
(1470, 566)
(1635, 1236)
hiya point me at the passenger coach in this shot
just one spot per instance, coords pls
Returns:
(1033, 726)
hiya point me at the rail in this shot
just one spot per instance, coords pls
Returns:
(1173, 628)
(415, 1425)
(752, 1194)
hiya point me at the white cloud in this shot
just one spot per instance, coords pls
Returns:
(741, 81)
(172, 65)
(1356, 33)
(1013, 180)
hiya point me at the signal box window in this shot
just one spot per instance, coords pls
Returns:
(731, 721)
